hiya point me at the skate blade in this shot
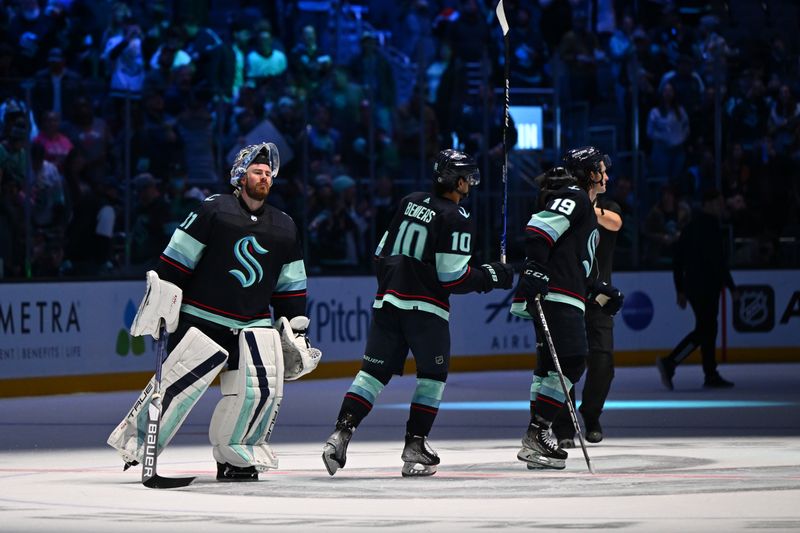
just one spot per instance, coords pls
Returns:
(411, 469)
(536, 461)
(331, 464)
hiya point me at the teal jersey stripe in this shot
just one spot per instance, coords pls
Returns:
(551, 223)
(450, 267)
(428, 392)
(225, 321)
(292, 277)
(382, 243)
(184, 248)
(564, 299)
(520, 309)
(411, 305)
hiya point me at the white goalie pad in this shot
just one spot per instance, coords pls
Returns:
(162, 299)
(299, 358)
(244, 417)
(187, 372)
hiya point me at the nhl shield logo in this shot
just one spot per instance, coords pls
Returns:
(755, 310)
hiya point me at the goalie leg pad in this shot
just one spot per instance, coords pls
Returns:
(187, 372)
(244, 417)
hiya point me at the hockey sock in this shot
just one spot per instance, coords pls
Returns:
(536, 385)
(424, 406)
(361, 396)
(550, 397)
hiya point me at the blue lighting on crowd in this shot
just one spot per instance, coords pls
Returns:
(618, 405)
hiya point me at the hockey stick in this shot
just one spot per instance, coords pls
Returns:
(501, 16)
(563, 383)
(150, 477)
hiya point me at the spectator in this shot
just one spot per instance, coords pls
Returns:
(374, 73)
(265, 63)
(580, 52)
(336, 233)
(784, 120)
(56, 87)
(123, 52)
(150, 224)
(240, 48)
(47, 190)
(157, 144)
(668, 129)
(90, 233)
(91, 134)
(688, 86)
(205, 48)
(663, 227)
(56, 145)
(310, 64)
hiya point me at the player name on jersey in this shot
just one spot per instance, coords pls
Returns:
(420, 212)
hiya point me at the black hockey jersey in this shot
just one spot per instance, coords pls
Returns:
(424, 256)
(564, 237)
(232, 264)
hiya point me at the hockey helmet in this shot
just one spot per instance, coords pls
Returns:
(452, 165)
(555, 178)
(581, 161)
(266, 153)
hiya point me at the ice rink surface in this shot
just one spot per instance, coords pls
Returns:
(688, 460)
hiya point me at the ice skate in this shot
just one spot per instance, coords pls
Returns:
(418, 456)
(228, 472)
(334, 454)
(539, 450)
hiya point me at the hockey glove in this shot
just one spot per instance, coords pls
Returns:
(162, 299)
(299, 358)
(608, 297)
(534, 280)
(498, 276)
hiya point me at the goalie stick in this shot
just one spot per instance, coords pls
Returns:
(501, 17)
(572, 414)
(150, 477)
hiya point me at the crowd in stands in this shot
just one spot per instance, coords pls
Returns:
(116, 119)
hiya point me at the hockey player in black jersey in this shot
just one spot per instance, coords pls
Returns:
(422, 258)
(561, 239)
(231, 287)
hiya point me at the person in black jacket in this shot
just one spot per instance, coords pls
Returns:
(701, 271)
(600, 335)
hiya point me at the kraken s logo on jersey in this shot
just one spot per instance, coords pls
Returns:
(591, 246)
(243, 250)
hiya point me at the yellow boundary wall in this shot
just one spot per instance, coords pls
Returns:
(51, 385)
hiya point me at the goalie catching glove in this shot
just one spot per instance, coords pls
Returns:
(162, 299)
(299, 358)
(608, 297)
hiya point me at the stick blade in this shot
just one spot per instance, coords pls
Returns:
(501, 16)
(159, 482)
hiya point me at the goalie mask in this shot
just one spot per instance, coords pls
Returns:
(264, 153)
(580, 162)
(452, 165)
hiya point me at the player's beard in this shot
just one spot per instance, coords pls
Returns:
(257, 191)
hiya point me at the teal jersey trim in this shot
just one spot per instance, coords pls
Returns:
(292, 277)
(428, 392)
(224, 321)
(553, 224)
(450, 267)
(411, 305)
(184, 249)
(520, 309)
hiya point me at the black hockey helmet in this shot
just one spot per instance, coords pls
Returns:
(452, 165)
(581, 161)
(555, 178)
